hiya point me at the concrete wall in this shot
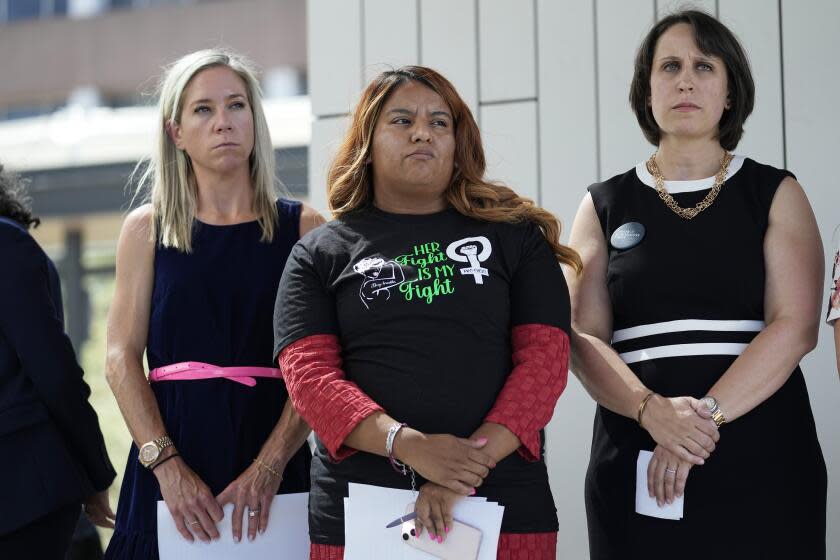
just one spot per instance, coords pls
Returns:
(548, 81)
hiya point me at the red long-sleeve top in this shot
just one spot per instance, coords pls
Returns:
(334, 406)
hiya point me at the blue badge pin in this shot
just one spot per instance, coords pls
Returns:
(627, 235)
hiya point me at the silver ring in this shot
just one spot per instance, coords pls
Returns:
(670, 470)
(253, 512)
(192, 522)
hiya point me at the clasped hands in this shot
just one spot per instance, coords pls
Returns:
(685, 435)
(454, 467)
(196, 511)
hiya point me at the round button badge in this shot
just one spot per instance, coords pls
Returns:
(627, 235)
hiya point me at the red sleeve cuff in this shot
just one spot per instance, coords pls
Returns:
(331, 405)
(540, 371)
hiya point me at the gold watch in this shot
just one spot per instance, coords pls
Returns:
(714, 409)
(150, 452)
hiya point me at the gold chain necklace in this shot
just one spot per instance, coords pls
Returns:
(688, 213)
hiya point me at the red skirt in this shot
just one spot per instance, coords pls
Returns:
(512, 546)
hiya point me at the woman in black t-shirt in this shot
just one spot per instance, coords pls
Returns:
(427, 325)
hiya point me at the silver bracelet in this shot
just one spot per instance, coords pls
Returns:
(389, 440)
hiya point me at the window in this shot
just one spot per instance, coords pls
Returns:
(23, 9)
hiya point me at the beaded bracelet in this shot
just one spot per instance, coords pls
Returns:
(268, 468)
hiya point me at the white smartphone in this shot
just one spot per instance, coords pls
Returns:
(462, 541)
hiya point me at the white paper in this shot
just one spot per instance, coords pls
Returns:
(370, 508)
(646, 505)
(286, 537)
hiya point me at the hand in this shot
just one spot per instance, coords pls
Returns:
(98, 509)
(434, 511)
(253, 489)
(456, 463)
(678, 425)
(666, 476)
(189, 501)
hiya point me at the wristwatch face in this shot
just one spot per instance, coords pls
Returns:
(710, 402)
(149, 453)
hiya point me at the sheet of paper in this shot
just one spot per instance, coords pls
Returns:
(369, 508)
(646, 505)
(287, 535)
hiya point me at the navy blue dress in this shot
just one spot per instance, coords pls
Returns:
(213, 305)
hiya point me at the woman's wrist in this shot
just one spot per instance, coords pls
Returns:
(274, 458)
(168, 465)
(405, 443)
(643, 405)
(272, 469)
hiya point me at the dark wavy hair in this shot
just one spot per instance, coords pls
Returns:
(14, 202)
(713, 38)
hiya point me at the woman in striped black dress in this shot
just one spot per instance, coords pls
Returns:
(699, 297)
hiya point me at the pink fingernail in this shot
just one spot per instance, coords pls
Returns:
(472, 492)
(235, 538)
(482, 440)
(446, 529)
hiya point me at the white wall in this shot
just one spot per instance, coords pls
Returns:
(548, 82)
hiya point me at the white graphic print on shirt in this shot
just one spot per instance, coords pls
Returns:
(466, 250)
(380, 276)
(430, 269)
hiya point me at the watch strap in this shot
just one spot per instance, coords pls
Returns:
(714, 409)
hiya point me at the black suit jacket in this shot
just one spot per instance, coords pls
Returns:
(52, 452)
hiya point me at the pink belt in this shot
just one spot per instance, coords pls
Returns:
(198, 370)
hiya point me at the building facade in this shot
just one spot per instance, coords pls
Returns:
(548, 82)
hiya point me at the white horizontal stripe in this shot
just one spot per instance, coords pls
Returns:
(682, 325)
(675, 187)
(679, 350)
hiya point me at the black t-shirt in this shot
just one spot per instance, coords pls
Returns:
(423, 307)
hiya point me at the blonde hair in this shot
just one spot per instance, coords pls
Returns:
(168, 178)
(349, 179)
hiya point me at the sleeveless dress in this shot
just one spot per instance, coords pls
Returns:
(213, 305)
(686, 300)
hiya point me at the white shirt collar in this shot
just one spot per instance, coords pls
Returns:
(687, 186)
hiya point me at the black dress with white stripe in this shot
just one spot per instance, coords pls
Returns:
(686, 300)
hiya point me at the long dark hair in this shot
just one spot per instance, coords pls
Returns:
(14, 202)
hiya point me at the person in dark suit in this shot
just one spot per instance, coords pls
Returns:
(53, 453)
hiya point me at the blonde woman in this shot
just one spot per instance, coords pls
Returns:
(197, 272)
